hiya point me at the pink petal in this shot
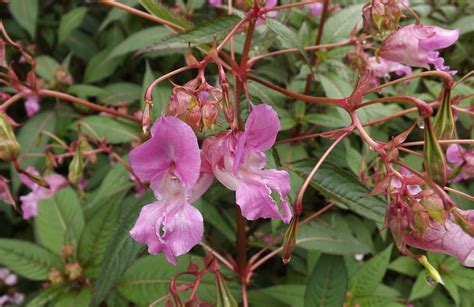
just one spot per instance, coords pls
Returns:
(172, 147)
(442, 38)
(29, 205)
(255, 202)
(32, 105)
(201, 186)
(315, 8)
(454, 154)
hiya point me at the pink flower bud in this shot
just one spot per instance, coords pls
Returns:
(209, 115)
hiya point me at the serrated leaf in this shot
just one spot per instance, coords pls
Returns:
(106, 127)
(25, 13)
(45, 296)
(287, 37)
(328, 283)
(120, 253)
(341, 24)
(344, 187)
(59, 221)
(320, 237)
(421, 288)
(289, 294)
(405, 265)
(75, 298)
(27, 259)
(366, 279)
(101, 66)
(206, 33)
(139, 40)
(70, 21)
(160, 10)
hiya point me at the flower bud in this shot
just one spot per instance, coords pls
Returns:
(9, 147)
(146, 117)
(68, 250)
(434, 206)
(55, 277)
(209, 115)
(421, 218)
(36, 179)
(373, 15)
(289, 241)
(433, 158)
(430, 270)
(75, 168)
(443, 123)
(224, 297)
(73, 270)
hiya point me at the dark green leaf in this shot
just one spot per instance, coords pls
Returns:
(26, 259)
(25, 13)
(70, 21)
(162, 11)
(341, 24)
(101, 66)
(328, 283)
(46, 67)
(106, 127)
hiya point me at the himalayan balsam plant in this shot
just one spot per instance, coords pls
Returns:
(236, 153)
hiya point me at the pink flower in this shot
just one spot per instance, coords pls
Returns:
(32, 105)
(29, 204)
(238, 162)
(215, 3)
(382, 68)
(171, 161)
(462, 158)
(416, 45)
(449, 239)
(315, 8)
(412, 189)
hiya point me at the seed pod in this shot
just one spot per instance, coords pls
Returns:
(430, 270)
(9, 147)
(289, 241)
(75, 168)
(434, 161)
(443, 123)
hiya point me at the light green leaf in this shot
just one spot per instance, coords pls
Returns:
(106, 127)
(341, 24)
(101, 66)
(25, 13)
(122, 92)
(287, 37)
(366, 279)
(344, 187)
(464, 24)
(405, 265)
(27, 259)
(75, 298)
(46, 67)
(289, 294)
(139, 40)
(328, 283)
(162, 11)
(421, 288)
(70, 21)
(45, 296)
(59, 221)
(320, 237)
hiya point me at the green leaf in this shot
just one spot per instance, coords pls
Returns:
(25, 13)
(421, 288)
(328, 283)
(122, 92)
(452, 289)
(344, 187)
(27, 259)
(148, 279)
(117, 14)
(341, 24)
(214, 217)
(59, 221)
(70, 21)
(46, 67)
(101, 66)
(405, 265)
(75, 298)
(335, 87)
(45, 296)
(85, 90)
(139, 40)
(366, 279)
(203, 34)
(119, 255)
(289, 294)
(106, 127)
(287, 37)
(320, 237)
(376, 301)
(162, 11)
(464, 24)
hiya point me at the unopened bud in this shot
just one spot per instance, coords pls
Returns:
(63, 76)
(146, 118)
(75, 168)
(190, 59)
(209, 115)
(463, 223)
(55, 277)
(224, 297)
(421, 218)
(67, 251)
(73, 270)
(430, 270)
(434, 206)
(443, 123)
(9, 147)
(434, 161)
(36, 179)
(289, 241)
(193, 117)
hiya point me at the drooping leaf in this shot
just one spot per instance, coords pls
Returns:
(25, 13)
(70, 21)
(160, 10)
(328, 283)
(27, 259)
(59, 221)
(338, 184)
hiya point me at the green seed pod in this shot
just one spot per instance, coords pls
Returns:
(443, 123)
(9, 147)
(434, 161)
(75, 168)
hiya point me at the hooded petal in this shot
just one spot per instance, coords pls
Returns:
(255, 201)
(447, 239)
(442, 38)
(172, 147)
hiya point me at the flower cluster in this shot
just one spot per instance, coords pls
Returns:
(179, 173)
(9, 279)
